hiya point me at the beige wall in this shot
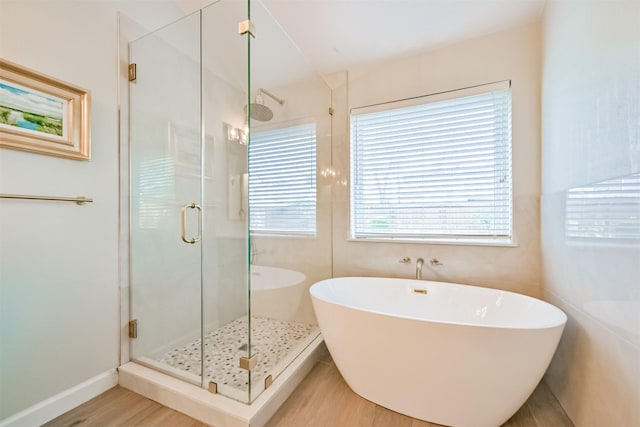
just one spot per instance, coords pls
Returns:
(591, 133)
(512, 54)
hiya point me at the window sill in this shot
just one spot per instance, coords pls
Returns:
(510, 243)
(284, 236)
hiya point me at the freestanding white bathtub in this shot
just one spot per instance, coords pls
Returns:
(456, 355)
(276, 293)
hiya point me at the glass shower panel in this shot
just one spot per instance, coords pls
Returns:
(224, 246)
(230, 199)
(290, 180)
(165, 171)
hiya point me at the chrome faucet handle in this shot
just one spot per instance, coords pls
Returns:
(435, 262)
(405, 260)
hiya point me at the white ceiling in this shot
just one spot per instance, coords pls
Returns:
(338, 34)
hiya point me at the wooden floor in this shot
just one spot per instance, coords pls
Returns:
(323, 399)
(121, 407)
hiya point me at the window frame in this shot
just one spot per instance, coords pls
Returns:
(447, 239)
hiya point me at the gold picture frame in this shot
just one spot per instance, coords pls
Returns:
(41, 114)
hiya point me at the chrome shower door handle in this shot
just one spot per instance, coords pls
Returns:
(184, 223)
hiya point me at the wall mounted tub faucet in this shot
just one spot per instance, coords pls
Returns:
(419, 264)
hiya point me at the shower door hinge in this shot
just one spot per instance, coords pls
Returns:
(245, 27)
(133, 328)
(249, 363)
(132, 72)
(331, 111)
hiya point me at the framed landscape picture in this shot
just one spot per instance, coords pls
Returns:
(43, 115)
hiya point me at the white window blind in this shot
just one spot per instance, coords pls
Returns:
(434, 168)
(282, 181)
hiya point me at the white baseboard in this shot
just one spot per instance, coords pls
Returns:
(57, 405)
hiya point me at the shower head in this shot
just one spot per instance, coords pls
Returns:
(259, 111)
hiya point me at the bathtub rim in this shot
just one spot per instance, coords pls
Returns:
(562, 321)
(264, 271)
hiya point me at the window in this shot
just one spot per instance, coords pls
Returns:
(282, 181)
(434, 168)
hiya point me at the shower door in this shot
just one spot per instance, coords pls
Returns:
(188, 237)
(166, 198)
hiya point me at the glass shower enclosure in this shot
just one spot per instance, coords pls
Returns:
(212, 302)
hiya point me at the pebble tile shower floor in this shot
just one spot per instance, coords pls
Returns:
(271, 339)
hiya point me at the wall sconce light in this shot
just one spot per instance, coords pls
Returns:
(233, 134)
(237, 135)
